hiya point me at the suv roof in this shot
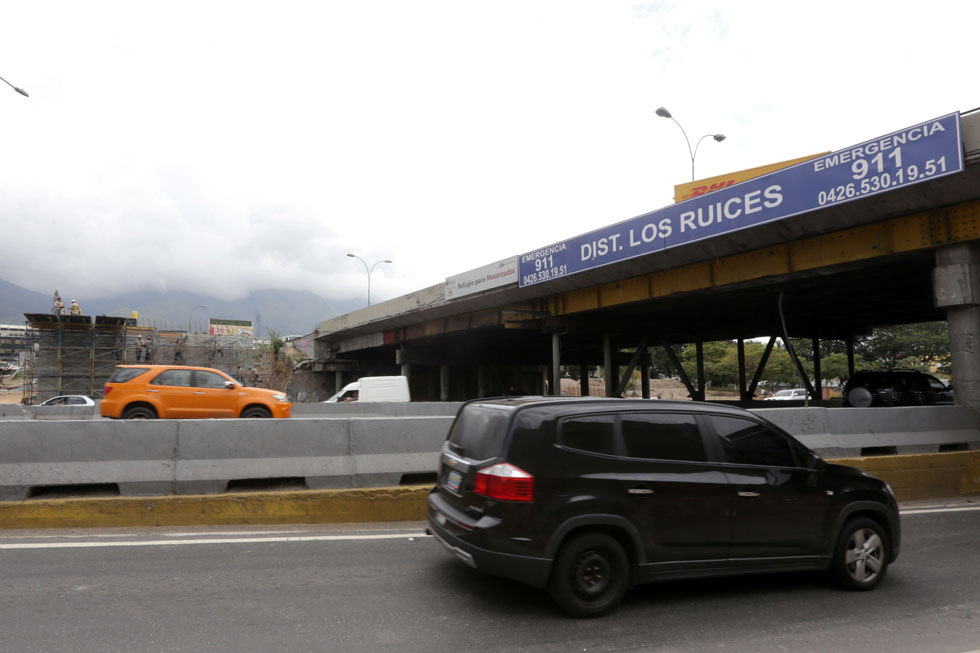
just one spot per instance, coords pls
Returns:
(611, 403)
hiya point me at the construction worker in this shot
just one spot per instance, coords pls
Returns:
(59, 306)
(75, 308)
(140, 345)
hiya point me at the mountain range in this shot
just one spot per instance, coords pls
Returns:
(288, 312)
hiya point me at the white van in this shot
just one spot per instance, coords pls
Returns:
(374, 389)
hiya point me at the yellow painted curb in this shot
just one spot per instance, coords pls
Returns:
(924, 476)
(306, 507)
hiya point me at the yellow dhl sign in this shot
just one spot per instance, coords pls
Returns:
(695, 188)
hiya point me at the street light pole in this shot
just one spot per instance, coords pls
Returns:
(192, 313)
(663, 113)
(18, 89)
(369, 270)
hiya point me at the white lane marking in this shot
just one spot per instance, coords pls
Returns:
(925, 511)
(294, 538)
(230, 540)
(79, 536)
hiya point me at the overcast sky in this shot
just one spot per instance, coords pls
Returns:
(221, 147)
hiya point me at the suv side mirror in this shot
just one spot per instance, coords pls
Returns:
(230, 385)
(815, 463)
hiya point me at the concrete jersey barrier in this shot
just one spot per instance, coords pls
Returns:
(157, 457)
(854, 432)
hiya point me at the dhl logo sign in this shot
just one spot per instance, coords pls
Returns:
(704, 186)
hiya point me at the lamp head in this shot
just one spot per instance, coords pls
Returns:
(663, 113)
(351, 255)
(719, 137)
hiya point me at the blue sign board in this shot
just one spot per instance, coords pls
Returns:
(925, 151)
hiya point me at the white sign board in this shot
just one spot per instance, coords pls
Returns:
(490, 276)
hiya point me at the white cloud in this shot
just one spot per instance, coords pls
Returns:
(225, 146)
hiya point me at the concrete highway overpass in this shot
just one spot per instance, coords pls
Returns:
(889, 245)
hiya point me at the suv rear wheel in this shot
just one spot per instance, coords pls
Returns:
(861, 556)
(590, 575)
(139, 412)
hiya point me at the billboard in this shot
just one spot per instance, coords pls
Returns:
(489, 276)
(920, 153)
(217, 327)
(691, 189)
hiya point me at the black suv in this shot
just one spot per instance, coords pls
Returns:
(589, 496)
(895, 387)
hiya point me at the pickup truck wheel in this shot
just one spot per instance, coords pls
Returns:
(256, 411)
(590, 575)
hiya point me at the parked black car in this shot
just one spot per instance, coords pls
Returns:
(895, 387)
(589, 496)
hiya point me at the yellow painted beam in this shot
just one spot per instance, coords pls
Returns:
(906, 234)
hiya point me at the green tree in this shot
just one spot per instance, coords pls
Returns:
(927, 343)
(276, 344)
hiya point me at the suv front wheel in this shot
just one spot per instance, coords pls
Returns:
(590, 575)
(861, 556)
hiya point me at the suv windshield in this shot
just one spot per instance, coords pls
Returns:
(480, 431)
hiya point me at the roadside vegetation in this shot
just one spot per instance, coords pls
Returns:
(924, 347)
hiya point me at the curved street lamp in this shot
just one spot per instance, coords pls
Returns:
(369, 271)
(192, 313)
(663, 113)
(16, 88)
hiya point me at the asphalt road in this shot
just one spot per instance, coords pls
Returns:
(316, 588)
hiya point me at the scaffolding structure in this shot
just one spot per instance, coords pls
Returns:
(72, 354)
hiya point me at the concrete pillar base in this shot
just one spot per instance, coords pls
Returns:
(956, 282)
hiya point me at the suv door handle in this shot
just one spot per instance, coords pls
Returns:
(639, 490)
(748, 494)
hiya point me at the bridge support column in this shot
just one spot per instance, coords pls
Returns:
(956, 285)
(555, 364)
(645, 374)
(583, 379)
(444, 382)
(743, 394)
(607, 365)
(702, 382)
(482, 387)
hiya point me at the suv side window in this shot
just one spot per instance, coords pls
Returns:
(908, 383)
(123, 374)
(592, 433)
(935, 384)
(180, 378)
(204, 379)
(745, 442)
(663, 436)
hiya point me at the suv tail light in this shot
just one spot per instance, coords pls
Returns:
(505, 482)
